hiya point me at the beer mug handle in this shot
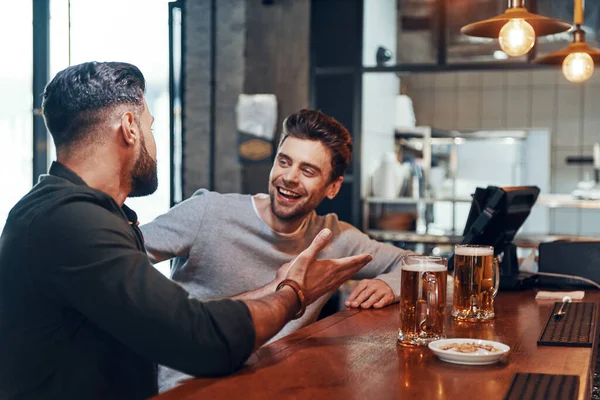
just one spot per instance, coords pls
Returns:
(432, 303)
(496, 276)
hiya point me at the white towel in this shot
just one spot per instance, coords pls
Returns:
(256, 114)
(576, 295)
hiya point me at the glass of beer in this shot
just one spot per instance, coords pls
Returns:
(422, 300)
(476, 280)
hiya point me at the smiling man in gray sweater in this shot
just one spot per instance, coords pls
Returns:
(231, 244)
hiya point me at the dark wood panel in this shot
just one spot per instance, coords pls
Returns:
(336, 24)
(340, 205)
(277, 52)
(354, 355)
(276, 61)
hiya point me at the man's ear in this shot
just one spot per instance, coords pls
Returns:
(129, 128)
(334, 188)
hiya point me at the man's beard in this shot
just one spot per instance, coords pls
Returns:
(144, 176)
(290, 214)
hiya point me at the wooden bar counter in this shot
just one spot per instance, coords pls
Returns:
(353, 355)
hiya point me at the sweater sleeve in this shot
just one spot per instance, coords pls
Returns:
(173, 234)
(96, 269)
(386, 258)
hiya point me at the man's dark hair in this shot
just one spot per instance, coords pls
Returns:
(314, 125)
(80, 97)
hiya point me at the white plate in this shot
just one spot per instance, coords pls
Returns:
(480, 357)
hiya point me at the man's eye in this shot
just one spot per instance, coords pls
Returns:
(308, 172)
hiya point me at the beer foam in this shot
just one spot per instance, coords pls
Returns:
(424, 267)
(474, 251)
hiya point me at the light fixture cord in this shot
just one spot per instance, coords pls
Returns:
(578, 12)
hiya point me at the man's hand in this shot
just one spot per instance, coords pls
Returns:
(283, 271)
(317, 277)
(370, 293)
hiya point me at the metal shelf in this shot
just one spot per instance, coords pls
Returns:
(546, 200)
(411, 200)
(566, 201)
(412, 237)
(523, 241)
(420, 131)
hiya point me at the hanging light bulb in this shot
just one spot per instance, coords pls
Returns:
(578, 57)
(578, 67)
(517, 37)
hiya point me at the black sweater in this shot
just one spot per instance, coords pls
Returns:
(83, 313)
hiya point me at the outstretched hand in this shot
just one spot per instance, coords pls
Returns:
(315, 278)
(318, 277)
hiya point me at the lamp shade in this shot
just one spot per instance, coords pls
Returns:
(490, 28)
(559, 56)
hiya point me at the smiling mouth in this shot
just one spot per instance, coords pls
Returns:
(288, 194)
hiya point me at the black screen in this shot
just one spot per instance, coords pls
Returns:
(496, 215)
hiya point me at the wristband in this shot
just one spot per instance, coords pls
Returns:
(301, 299)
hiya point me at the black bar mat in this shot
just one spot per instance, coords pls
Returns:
(574, 329)
(543, 387)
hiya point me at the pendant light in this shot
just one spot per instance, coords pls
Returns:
(516, 28)
(578, 57)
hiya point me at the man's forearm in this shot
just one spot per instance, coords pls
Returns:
(270, 313)
(256, 293)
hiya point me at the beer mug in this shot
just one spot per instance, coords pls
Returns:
(476, 280)
(422, 300)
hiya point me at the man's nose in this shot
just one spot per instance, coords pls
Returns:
(290, 175)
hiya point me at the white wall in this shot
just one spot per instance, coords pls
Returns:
(379, 90)
(536, 158)
(379, 29)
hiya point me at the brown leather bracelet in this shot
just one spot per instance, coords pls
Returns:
(301, 299)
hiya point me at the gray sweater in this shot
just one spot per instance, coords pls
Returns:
(222, 248)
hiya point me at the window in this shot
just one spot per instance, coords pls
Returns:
(138, 33)
(16, 104)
